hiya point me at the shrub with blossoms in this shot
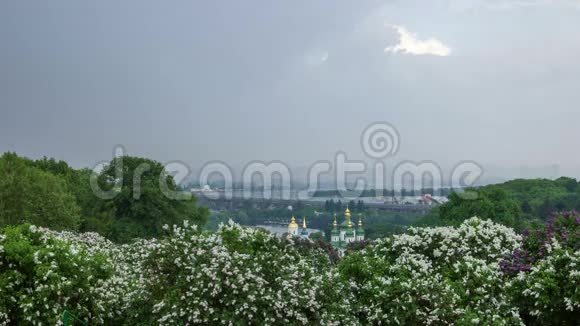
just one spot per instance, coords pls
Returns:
(546, 272)
(127, 288)
(41, 276)
(549, 294)
(244, 276)
(241, 275)
(536, 244)
(442, 275)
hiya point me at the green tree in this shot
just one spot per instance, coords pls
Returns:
(317, 236)
(327, 206)
(332, 206)
(568, 183)
(491, 203)
(217, 218)
(338, 206)
(140, 206)
(77, 182)
(298, 206)
(526, 207)
(30, 195)
(360, 206)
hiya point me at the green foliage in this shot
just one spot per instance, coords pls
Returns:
(216, 218)
(316, 236)
(40, 276)
(77, 182)
(29, 194)
(549, 294)
(50, 193)
(441, 275)
(538, 198)
(242, 276)
(546, 287)
(491, 203)
(140, 206)
(535, 199)
(434, 275)
(331, 206)
(379, 230)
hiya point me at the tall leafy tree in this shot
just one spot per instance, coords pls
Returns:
(490, 203)
(141, 204)
(29, 194)
(77, 182)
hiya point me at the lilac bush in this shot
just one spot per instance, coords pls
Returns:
(442, 276)
(564, 227)
(477, 273)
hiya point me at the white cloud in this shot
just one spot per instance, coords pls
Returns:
(410, 44)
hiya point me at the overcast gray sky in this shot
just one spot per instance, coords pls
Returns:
(497, 82)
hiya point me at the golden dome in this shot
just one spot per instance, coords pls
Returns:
(334, 224)
(360, 221)
(293, 223)
(304, 222)
(347, 216)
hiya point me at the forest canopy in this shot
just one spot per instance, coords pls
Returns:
(52, 194)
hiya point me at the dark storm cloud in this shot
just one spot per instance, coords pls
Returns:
(294, 81)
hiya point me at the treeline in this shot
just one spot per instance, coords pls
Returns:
(52, 194)
(538, 198)
(518, 203)
(337, 207)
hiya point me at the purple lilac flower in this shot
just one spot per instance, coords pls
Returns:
(564, 227)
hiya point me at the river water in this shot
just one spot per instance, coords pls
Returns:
(279, 230)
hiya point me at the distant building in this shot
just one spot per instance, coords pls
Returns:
(346, 233)
(293, 228)
(304, 232)
(341, 235)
